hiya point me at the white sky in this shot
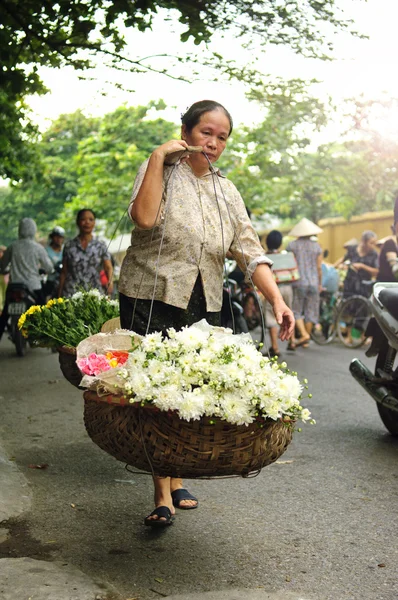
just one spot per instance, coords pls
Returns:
(361, 67)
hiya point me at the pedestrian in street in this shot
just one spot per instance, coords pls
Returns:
(362, 265)
(306, 290)
(83, 259)
(388, 259)
(274, 242)
(25, 257)
(54, 250)
(195, 215)
(3, 281)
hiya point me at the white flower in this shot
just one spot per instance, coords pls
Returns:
(192, 406)
(77, 296)
(305, 414)
(152, 341)
(192, 337)
(202, 370)
(94, 292)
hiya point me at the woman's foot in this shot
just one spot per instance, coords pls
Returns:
(176, 484)
(162, 499)
(272, 352)
(160, 517)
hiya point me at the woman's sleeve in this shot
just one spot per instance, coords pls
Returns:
(246, 248)
(136, 188)
(106, 255)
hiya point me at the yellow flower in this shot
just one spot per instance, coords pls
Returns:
(21, 320)
(60, 300)
(113, 362)
(33, 309)
(24, 333)
(50, 303)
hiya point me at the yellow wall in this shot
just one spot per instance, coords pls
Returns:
(337, 231)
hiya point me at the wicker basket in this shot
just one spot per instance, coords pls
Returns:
(67, 362)
(163, 444)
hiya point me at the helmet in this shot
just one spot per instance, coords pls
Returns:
(57, 230)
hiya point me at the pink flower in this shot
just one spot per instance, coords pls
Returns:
(93, 364)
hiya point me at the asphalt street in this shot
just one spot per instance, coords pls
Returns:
(320, 524)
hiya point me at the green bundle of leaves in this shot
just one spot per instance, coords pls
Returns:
(67, 321)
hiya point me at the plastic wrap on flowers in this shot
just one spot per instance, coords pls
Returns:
(100, 358)
(201, 402)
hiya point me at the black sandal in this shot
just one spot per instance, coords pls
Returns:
(180, 495)
(164, 519)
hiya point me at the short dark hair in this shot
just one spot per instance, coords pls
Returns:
(193, 114)
(83, 210)
(274, 240)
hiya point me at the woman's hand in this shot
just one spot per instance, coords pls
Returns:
(285, 319)
(358, 266)
(171, 147)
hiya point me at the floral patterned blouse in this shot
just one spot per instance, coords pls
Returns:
(306, 252)
(201, 218)
(83, 265)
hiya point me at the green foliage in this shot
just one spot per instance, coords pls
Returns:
(84, 162)
(65, 33)
(108, 160)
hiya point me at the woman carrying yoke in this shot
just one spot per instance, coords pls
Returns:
(187, 216)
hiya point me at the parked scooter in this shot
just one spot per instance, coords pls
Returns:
(383, 328)
(232, 310)
(240, 310)
(19, 299)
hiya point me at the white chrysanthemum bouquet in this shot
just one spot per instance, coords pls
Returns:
(200, 370)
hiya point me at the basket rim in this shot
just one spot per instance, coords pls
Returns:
(119, 400)
(67, 349)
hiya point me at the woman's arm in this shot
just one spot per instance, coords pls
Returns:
(372, 270)
(145, 208)
(62, 278)
(264, 280)
(339, 262)
(108, 268)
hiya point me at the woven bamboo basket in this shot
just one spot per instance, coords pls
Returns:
(67, 363)
(163, 444)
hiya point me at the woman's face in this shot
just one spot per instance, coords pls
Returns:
(86, 222)
(211, 133)
(370, 244)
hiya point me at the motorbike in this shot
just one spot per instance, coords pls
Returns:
(19, 299)
(383, 328)
(240, 311)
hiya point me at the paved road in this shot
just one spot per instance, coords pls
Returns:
(321, 524)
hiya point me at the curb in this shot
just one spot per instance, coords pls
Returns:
(15, 495)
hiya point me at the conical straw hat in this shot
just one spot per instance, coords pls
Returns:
(351, 242)
(305, 228)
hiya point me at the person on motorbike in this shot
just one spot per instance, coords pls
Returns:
(54, 250)
(25, 257)
(388, 259)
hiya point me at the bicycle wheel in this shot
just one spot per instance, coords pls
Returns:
(352, 321)
(324, 331)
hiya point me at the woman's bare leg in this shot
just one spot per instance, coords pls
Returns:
(163, 488)
(162, 496)
(273, 334)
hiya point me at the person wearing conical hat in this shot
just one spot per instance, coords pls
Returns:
(388, 261)
(306, 290)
